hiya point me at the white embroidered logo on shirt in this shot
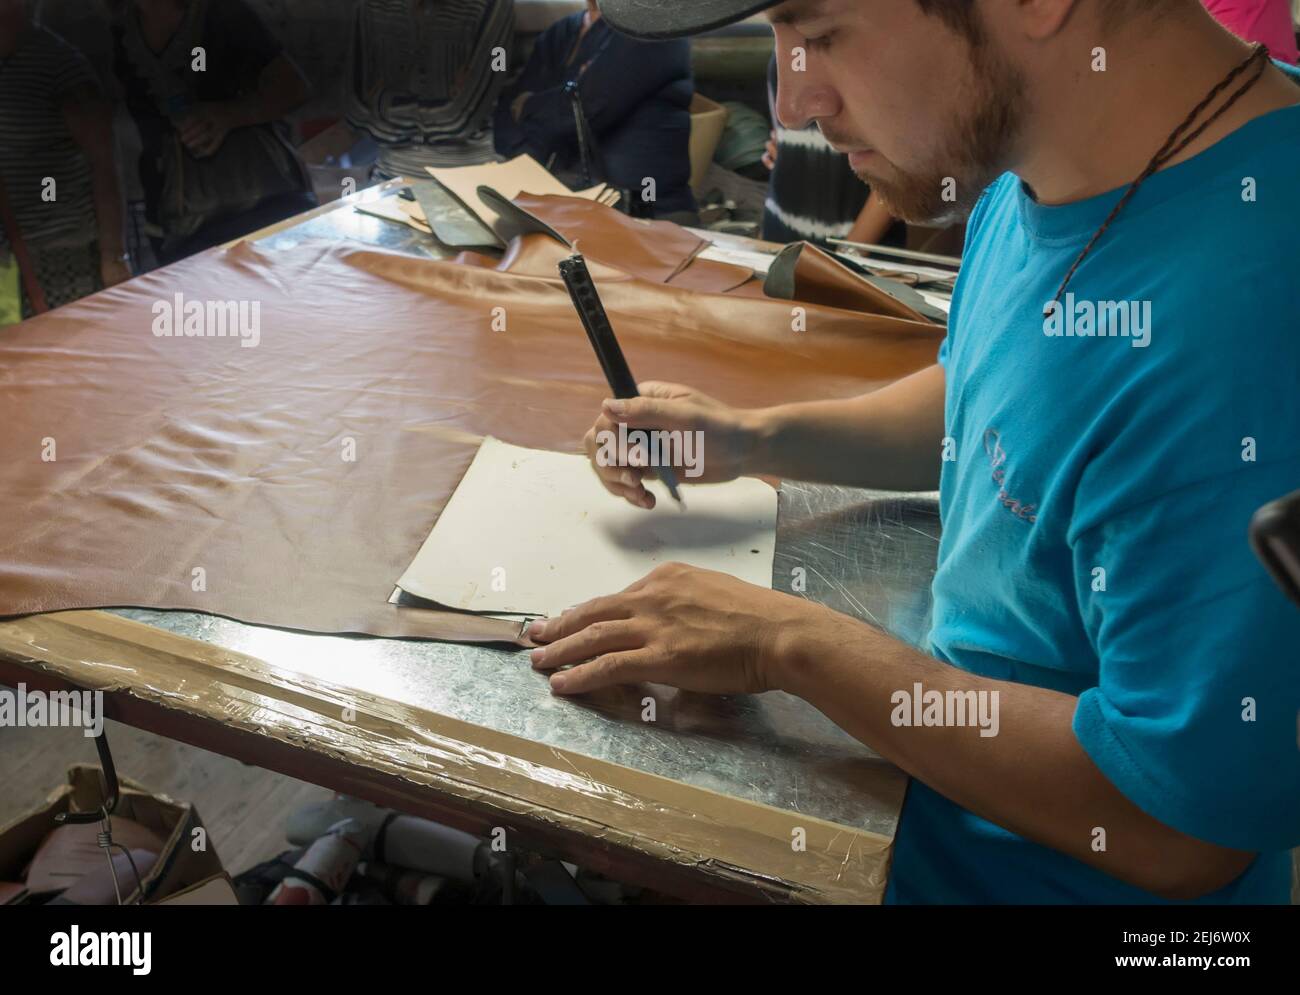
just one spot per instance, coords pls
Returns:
(998, 459)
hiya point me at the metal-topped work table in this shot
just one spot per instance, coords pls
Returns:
(705, 802)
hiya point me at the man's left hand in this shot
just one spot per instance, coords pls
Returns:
(694, 629)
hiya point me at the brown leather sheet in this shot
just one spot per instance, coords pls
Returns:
(652, 250)
(193, 473)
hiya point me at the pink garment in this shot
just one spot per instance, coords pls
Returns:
(1268, 21)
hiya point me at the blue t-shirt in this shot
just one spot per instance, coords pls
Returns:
(1095, 516)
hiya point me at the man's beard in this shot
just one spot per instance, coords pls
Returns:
(976, 153)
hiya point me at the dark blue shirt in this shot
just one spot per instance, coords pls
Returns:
(636, 95)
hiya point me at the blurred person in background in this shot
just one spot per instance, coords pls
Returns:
(813, 194)
(423, 80)
(635, 97)
(61, 206)
(216, 162)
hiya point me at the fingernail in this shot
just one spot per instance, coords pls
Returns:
(558, 681)
(538, 628)
(537, 655)
(615, 406)
(628, 479)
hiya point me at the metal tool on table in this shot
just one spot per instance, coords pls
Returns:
(948, 262)
(601, 334)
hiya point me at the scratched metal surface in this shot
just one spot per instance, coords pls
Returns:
(346, 224)
(868, 554)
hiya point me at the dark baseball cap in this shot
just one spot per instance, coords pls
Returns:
(675, 18)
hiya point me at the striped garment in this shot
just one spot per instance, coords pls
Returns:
(422, 81)
(35, 81)
(812, 195)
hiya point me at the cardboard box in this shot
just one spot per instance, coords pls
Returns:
(708, 119)
(179, 864)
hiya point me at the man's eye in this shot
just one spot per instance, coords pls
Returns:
(821, 42)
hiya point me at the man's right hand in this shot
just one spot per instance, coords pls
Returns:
(727, 440)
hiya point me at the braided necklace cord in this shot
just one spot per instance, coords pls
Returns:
(1173, 147)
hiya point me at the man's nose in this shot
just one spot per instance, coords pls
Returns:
(801, 98)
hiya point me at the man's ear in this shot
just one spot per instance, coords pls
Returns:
(1039, 20)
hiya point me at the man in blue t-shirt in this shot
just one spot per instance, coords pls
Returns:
(1118, 393)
